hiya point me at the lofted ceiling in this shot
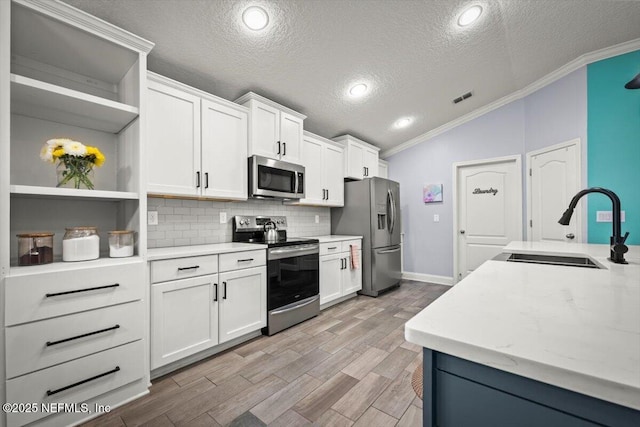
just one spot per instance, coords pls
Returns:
(411, 53)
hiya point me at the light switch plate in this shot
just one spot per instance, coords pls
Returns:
(223, 217)
(317, 219)
(607, 216)
(436, 218)
(152, 217)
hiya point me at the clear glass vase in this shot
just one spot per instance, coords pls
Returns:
(75, 172)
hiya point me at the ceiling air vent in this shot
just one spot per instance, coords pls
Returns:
(462, 97)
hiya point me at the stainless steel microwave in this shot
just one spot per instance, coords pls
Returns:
(275, 179)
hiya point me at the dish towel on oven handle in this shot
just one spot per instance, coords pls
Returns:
(355, 260)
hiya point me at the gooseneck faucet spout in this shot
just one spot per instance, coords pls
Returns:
(617, 246)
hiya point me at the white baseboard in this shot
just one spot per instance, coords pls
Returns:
(430, 278)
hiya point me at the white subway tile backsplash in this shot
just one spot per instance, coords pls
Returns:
(196, 222)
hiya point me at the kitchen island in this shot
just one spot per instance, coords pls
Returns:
(530, 344)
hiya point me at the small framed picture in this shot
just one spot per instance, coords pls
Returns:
(432, 193)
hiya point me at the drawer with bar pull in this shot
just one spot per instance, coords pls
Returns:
(37, 345)
(182, 268)
(76, 381)
(238, 260)
(330, 248)
(42, 295)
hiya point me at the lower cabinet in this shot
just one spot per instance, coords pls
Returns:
(184, 318)
(196, 313)
(338, 277)
(243, 302)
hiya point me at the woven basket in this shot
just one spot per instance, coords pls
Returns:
(416, 381)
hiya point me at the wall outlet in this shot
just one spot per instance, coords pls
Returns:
(607, 216)
(223, 217)
(436, 218)
(317, 219)
(152, 217)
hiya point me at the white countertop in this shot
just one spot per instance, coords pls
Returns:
(576, 328)
(156, 254)
(335, 238)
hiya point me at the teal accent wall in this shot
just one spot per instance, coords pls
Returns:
(613, 143)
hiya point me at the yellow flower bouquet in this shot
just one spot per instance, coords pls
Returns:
(75, 161)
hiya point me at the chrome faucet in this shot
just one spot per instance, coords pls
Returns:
(617, 246)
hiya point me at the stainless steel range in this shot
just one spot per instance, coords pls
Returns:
(292, 270)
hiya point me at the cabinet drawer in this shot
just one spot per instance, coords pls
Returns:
(238, 260)
(346, 245)
(40, 296)
(182, 268)
(330, 248)
(76, 381)
(45, 343)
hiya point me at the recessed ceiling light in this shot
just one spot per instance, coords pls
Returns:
(255, 18)
(469, 15)
(403, 122)
(358, 90)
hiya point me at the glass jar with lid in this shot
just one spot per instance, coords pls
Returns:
(35, 248)
(120, 243)
(80, 244)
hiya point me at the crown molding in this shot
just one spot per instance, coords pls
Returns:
(78, 18)
(581, 61)
(252, 96)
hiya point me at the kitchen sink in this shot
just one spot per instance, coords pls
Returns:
(569, 261)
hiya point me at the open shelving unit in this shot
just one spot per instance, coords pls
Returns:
(72, 76)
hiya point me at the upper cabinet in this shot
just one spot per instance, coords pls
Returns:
(324, 180)
(197, 142)
(383, 168)
(275, 131)
(360, 159)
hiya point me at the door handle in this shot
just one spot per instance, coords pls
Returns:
(197, 179)
(215, 287)
(279, 148)
(570, 236)
(284, 148)
(206, 180)
(327, 194)
(224, 295)
(461, 231)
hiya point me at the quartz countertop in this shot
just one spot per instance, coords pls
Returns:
(156, 254)
(335, 238)
(576, 328)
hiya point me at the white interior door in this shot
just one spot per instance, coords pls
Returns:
(488, 210)
(554, 178)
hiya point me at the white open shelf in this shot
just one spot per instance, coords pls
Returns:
(35, 98)
(58, 266)
(57, 193)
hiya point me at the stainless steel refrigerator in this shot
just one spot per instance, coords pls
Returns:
(372, 210)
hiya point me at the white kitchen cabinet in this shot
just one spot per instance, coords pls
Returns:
(330, 277)
(198, 143)
(199, 302)
(275, 131)
(383, 169)
(67, 326)
(337, 278)
(243, 302)
(184, 318)
(360, 159)
(174, 140)
(324, 182)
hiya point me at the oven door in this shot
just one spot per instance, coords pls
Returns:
(293, 274)
(275, 179)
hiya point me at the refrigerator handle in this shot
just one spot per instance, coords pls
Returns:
(392, 215)
(389, 211)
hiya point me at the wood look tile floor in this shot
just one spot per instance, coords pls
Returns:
(349, 366)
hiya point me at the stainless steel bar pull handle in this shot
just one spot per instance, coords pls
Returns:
(50, 343)
(97, 288)
(61, 389)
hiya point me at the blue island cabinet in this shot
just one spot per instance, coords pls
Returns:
(460, 393)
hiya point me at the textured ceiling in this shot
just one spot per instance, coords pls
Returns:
(410, 53)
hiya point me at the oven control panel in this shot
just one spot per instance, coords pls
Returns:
(253, 223)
